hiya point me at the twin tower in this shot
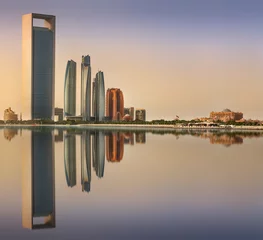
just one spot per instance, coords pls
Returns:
(96, 103)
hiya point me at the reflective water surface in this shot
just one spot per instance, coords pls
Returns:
(71, 183)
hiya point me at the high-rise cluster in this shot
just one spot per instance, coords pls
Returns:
(38, 51)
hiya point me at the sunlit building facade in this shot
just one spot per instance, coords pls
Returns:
(226, 115)
(38, 67)
(9, 115)
(85, 88)
(114, 104)
(70, 89)
(114, 147)
(98, 97)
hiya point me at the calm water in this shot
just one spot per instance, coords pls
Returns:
(82, 184)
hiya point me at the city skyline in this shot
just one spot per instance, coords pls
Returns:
(184, 52)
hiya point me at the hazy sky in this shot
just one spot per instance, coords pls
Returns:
(172, 57)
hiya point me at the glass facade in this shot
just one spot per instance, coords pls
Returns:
(70, 89)
(85, 88)
(99, 97)
(42, 99)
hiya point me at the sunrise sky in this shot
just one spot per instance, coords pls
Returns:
(171, 57)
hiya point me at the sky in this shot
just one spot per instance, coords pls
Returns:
(171, 57)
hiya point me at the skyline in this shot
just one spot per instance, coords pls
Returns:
(186, 54)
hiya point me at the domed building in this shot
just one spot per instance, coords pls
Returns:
(226, 115)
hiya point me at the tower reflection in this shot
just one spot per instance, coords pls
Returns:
(38, 190)
(115, 146)
(99, 153)
(70, 159)
(85, 161)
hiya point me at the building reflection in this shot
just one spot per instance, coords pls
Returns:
(70, 159)
(85, 161)
(129, 138)
(140, 137)
(10, 133)
(99, 153)
(114, 146)
(38, 189)
(59, 136)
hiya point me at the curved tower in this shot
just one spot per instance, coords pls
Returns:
(114, 104)
(85, 88)
(99, 97)
(70, 89)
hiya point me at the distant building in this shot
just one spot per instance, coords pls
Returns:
(9, 115)
(98, 98)
(38, 67)
(140, 115)
(59, 113)
(130, 112)
(70, 89)
(226, 115)
(114, 104)
(85, 88)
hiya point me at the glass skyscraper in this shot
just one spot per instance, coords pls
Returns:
(99, 97)
(38, 67)
(70, 89)
(85, 87)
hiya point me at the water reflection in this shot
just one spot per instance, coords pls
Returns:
(38, 189)
(38, 192)
(10, 133)
(70, 159)
(115, 146)
(226, 138)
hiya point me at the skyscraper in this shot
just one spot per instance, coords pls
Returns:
(114, 104)
(85, 87)
(38, 66)
(99, 97)
(70, 89)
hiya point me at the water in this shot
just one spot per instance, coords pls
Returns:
(90, 184)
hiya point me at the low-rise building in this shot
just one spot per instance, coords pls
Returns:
(9, 115)
(226, 115)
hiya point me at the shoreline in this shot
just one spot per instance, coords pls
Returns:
(133, 127)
